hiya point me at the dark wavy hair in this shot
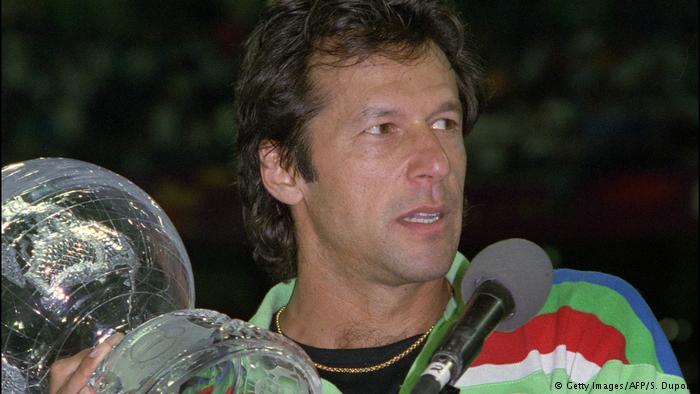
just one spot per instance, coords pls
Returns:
(275, 98)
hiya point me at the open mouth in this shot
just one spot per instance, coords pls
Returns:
(423, 217)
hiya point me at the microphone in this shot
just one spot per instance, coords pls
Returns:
(506, 284)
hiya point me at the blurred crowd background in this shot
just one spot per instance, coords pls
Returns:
(588, 147)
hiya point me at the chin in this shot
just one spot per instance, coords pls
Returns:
(427, 268)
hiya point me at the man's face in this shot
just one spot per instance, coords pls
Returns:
(388, 152)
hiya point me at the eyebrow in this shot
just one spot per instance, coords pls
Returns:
(448, 106)
(373, 112)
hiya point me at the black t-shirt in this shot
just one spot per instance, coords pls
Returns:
(384, 381)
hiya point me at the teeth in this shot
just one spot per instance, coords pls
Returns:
(422, 217)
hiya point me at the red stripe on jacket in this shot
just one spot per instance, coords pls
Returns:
(581, 332)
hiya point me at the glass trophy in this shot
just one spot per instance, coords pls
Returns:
(198, 351)
(86, 253)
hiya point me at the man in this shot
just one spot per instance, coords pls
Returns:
(352, 116)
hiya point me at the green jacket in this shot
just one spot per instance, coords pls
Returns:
(595, 334)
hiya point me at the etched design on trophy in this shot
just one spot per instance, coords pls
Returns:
(85, 253)
(159, 348)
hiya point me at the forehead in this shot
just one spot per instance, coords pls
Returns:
(347, 85)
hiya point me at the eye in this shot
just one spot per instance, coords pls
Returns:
(380, 129)
(444, 124)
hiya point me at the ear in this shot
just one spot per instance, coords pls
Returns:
(282, 183)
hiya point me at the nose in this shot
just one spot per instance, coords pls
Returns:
(428, 161)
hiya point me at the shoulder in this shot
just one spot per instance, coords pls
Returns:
(609, 297)
(591, 321)
(600, 282)
(606, 304)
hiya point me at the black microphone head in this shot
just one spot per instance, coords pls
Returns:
(520, 266)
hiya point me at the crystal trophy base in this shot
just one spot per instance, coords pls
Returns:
(189, 351)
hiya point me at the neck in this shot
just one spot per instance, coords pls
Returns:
(355, 313)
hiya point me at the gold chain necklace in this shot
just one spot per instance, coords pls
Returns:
(370, 368)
